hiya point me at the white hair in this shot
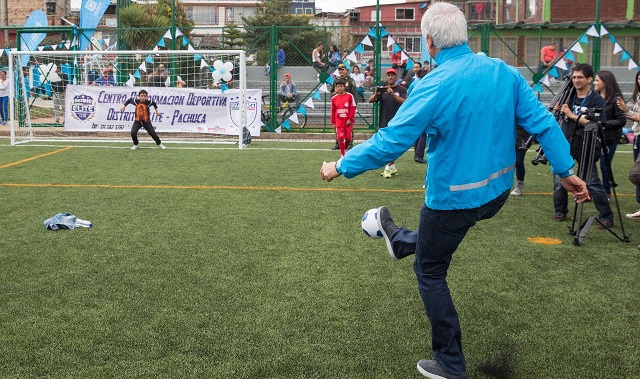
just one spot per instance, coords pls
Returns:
(446, 25)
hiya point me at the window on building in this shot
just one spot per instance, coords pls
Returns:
(299, 11)
(238, 12)
(203, 15)
(354, 16)
(530, 9)
(411, 44)
(404, 14)
(308, 10)
(373, 16)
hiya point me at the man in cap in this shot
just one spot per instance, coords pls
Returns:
(390, 96)
(106, 79)
(288, 89)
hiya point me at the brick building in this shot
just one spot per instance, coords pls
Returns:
(14, 13)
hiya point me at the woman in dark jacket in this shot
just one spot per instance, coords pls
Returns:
(607, 86)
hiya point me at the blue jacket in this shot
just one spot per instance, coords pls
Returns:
(468, 106)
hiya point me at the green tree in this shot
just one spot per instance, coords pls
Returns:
(232, 37)
(141, 30)
(183, 22)
(292, 40)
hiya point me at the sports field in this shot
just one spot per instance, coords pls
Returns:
(206, 261)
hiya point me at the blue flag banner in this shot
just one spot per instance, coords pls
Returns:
(185, 41)
(91, 12)
(537, 87)
(612, 38)
(136, 74)
(149, 59)
(554, 72)
(569, 55)
(316, 95)
(347, 65)
(625, 55)
(396, 48)
(584, 39)
(197, 57)
(161, 42)
(302, 110)
(329, 79)
(224, 88)
(372, 32)
(286, 124)
(359, 49)
(383, 32)
(30, 41)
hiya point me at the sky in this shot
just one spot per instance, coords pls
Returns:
(341, 5)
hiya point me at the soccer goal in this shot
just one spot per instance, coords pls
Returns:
(78, 95)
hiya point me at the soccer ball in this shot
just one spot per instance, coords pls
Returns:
(370, 223)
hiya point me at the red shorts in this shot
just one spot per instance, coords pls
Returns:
(344, 132)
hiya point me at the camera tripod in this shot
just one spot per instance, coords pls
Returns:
(592, 131)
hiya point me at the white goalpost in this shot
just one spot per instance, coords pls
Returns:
(77, 95)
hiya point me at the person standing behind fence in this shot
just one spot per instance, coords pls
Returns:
(547, 55)
(280, 56)
(4, 97)
(607, 86)
(634, 115)
(343, 112)
(317, 57)
(522, 137)
(143, 118)
(58, 89)
(358, 78)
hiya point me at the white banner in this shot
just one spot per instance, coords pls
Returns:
(97, 108)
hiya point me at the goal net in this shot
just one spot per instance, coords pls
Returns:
(79, 95)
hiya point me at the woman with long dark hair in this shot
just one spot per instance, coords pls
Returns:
(607, 86)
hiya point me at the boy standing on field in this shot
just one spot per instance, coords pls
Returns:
(343, 111)
(143, 119)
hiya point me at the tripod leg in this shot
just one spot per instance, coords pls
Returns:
(577, 241)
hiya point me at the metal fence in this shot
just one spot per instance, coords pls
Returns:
(517, 45)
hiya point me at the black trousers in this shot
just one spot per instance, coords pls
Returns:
(148, 127)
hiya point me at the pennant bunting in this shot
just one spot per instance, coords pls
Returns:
(632, 64)
(323, 88)
(329, 79)
(131, 82)
(316, 95)
(301, 109)
(383, 32)
(278, 130)
(372, 32)
(584, 39)
(554, 72)
(294, 117)
(617, 48)
(545, 80)
(224, 87)
(625, 56)
(178, 32)
(185, 41)
(603, 31)
(352, 57)
(592, 32)
(347, 65)
(359, 49)
(577, 48)
(390, 41)
(612, 38)
(143, 66)
(203, 64)
(309, 102)
(286, 124)
(396, 48)
(537, 88)
(403, 56)
(190, 48)
(569, 56)
(136, 74)
(167, 34)
(161, 43)
(149, 59)
(561, 64)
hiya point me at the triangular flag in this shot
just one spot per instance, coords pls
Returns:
(286, 124)
(323, 88)
(569, 56)
(617, 48)
(131, 82)
(167, 34)
(352, 57)
(224, 87)
(403, 56)
(329, 79)
(106, 41)
(309, 102)
(584, 39)
(632, 64)
(2, 52)
(190, 48)
(359, 49)
(545, 80)
(383, 32)
(74, 42)
(625, 56)
(294, 117)
(155, 49)
(372, 32)
(366, 41)
(67, 45)
(54, 47)
(203, 64)
(301, 109)
(561, 64)
(185, 41)
(592, 32)
(390, 41)
(161, 43)
(136, 74)
(577, 48)
(603, 31)
(396, 48)
(612, 38)
(347, 65)
(149, 59)
(40, 48)
(178, 32)
(143, 67)
(196, 57)
(316, 95)
(554, 72)
(278, 130)
(537, 88)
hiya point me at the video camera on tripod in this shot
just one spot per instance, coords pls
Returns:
(563, 96)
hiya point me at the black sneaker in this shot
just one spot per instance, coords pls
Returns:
(388, 227)
(336, 147)
(432, 369)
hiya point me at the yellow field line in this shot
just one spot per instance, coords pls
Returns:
(36, 157)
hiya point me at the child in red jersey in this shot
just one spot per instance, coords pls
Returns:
(343, 112)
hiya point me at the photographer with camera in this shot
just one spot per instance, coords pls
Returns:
(575, 118)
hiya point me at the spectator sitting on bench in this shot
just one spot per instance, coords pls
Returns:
(288, 89)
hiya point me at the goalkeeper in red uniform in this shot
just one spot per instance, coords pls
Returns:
(143, 119)
(343, 112)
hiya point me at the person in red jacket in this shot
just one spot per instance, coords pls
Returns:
(343, 112)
